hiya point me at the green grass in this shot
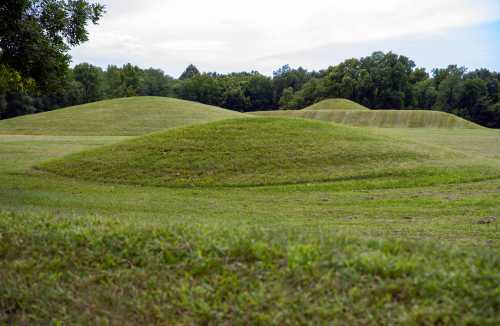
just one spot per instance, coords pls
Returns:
(266, 151)
(118, 117)
(337, 104)
(380, 118)
(90, 269)
(478, 142)
(396, 249)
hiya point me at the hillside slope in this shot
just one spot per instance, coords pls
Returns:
(380, 118)
(337, 104)
(260, 151)
(118, 117)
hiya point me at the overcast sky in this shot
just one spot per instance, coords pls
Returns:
(234, 35)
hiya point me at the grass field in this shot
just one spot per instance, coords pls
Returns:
(117, 117)
(386, 250)
(378, 118)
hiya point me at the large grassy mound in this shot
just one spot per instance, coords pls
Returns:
(337, 104)
(118, 117)
(380, 118)
(258, 151)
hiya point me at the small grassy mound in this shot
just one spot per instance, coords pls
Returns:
(117, 117)
(255, 151)
(380, 118)
(337, 104)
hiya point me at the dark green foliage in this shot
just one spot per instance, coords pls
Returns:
(35, 36)
(450, 92)
(203, 88)
(235, 99)
(286, 100)
(424, 94)
(155, 83)
(260, 92)
(236, 91)
(16, 103)
(286, 77)
(190, 72)
(378, 81)
(91, 78)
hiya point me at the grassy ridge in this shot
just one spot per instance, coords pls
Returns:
(117, 117)
(258, 151)
(380, 118)
(337, 104)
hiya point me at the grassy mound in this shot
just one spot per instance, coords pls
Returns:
(254, 151)
(117, 117)
(337, 104)
(380, 118)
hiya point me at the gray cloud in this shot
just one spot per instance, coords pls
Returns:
(227, 35)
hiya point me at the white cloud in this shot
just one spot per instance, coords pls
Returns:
(226, 35)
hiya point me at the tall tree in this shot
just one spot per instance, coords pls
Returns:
(286, 77)
(190, 72)
(91, 78)
(155, 83)
(259, 90)
(450, 92)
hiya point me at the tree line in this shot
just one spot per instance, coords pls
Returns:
(36, 35)
(379, 81)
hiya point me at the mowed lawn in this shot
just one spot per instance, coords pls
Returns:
(75, 251)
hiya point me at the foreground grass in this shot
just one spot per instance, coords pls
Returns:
(379, 118)
(93, 269)
(118, 117)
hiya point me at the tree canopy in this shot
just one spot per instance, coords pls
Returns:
(35, 36)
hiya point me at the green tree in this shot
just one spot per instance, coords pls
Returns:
(36, 35)
(114, 86)
(286, 77)
(441, 74)
(259, 90)
(92, 80)
(286, 100)
(310, 93)
(450, 92)
(190, 72)
(424, 94)
(132, 79)
(155, 83)
(204, 88)
(341, 81)
(234, 98)
(391, 74)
